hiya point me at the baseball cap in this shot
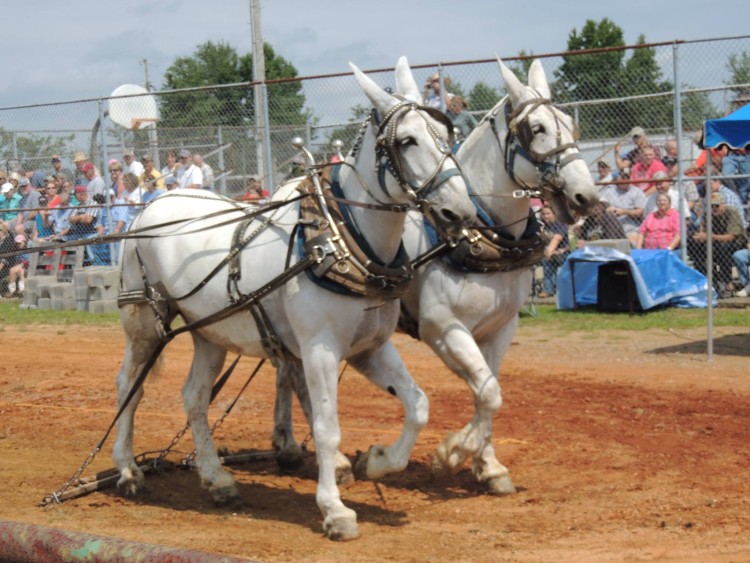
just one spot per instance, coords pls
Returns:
(55, 158)
(80, 188)
(86, 167)
(184, 153)
(660, 175)
(717, 198)
(170, 180)
(78, 156)
(602, 164)
(625, 171)
(23, 181)
(7, 186)
(147, 157)
(128, 152)
(20, 238)
(637, 131)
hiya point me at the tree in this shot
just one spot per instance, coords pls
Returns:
(482, 97)
(219, 64)
(27, 148)
(739, 68)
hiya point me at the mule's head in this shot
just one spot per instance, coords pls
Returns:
(548, 137)
(413, 156)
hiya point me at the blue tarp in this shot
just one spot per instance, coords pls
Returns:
(660, 277)
(733, 129)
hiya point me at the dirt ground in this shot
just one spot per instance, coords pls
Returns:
(624, 446)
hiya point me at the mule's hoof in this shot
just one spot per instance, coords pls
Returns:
(226, 496)
(289, 461)
(344, 476)
(501, 486)
(129, 487)
(438, 467)
(342, 529)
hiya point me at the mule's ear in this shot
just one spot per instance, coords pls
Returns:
(515, 87)
(380, 99)
(405, 83)
(538, 80)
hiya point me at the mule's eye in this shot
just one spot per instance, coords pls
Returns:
(407, 142)
(537, 129)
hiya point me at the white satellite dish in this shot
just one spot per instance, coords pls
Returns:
(137, 110)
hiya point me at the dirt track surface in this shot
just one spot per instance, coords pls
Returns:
(623, 447)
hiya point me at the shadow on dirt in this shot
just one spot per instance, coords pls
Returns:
(727, 345)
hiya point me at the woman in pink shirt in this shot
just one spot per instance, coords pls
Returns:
(660, 229)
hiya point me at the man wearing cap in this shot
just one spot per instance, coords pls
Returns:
(94, 183)
(662, 185)
(10, 201)
(58, 169)
(626, 202)
(83, 217)
(630, 158)
(79, 160)
(151, 177)
(59, 217)
(29, 205)
(131, 164)
(728, 236)
(171, 183)
(189, 175)
(605, 172)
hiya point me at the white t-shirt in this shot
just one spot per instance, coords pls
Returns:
(190, 175)
(134, 167)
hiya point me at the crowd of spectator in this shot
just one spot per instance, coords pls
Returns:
(641, 200)
(59, 204)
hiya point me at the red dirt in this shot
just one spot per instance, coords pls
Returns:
(624, 446)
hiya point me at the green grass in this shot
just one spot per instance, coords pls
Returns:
(588, 319)
(585, 319)
(11, 314)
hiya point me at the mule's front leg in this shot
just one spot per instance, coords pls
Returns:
(461, 353)
(386, 369)
(320, 370)
(289, 377)
(208, 361)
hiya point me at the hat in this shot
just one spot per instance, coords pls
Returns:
(7, 186)
(170, 180)
(602, 164)
(184, 153)
(49, 179)
(637, 131)
(86, 167)
(23, 181)
(112, 162)
(81, 188)
(147, 157)
(55, 158)
(20, 238)
(128, 152)
(660, 175)
(78, 156)
(625, 171)
(717, 198)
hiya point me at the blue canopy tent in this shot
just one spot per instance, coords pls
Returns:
(732, 130)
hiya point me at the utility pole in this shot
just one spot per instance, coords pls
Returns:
(153, 143)
(147, 83)
(259, 77)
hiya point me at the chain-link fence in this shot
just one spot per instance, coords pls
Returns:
(667, 89)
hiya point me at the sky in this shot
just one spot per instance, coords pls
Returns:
(61, 51)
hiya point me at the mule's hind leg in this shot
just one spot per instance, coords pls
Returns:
(386, 369)
(460, 352)
(208, 361)
(289, 454)
(141, 340)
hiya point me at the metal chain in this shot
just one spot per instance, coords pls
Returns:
(55, 497)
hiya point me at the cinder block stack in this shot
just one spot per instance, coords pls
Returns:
(93, 289)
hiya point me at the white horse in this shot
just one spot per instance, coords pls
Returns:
(466, 308)
(403, 158)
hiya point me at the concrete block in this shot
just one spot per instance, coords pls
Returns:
(62, 290)
(67, 304)
(44, 303)
(103, 306)
(102, 292)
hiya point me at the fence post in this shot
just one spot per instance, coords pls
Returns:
(268, 168)
(220, 140)
(106, 176)
(677, 106)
